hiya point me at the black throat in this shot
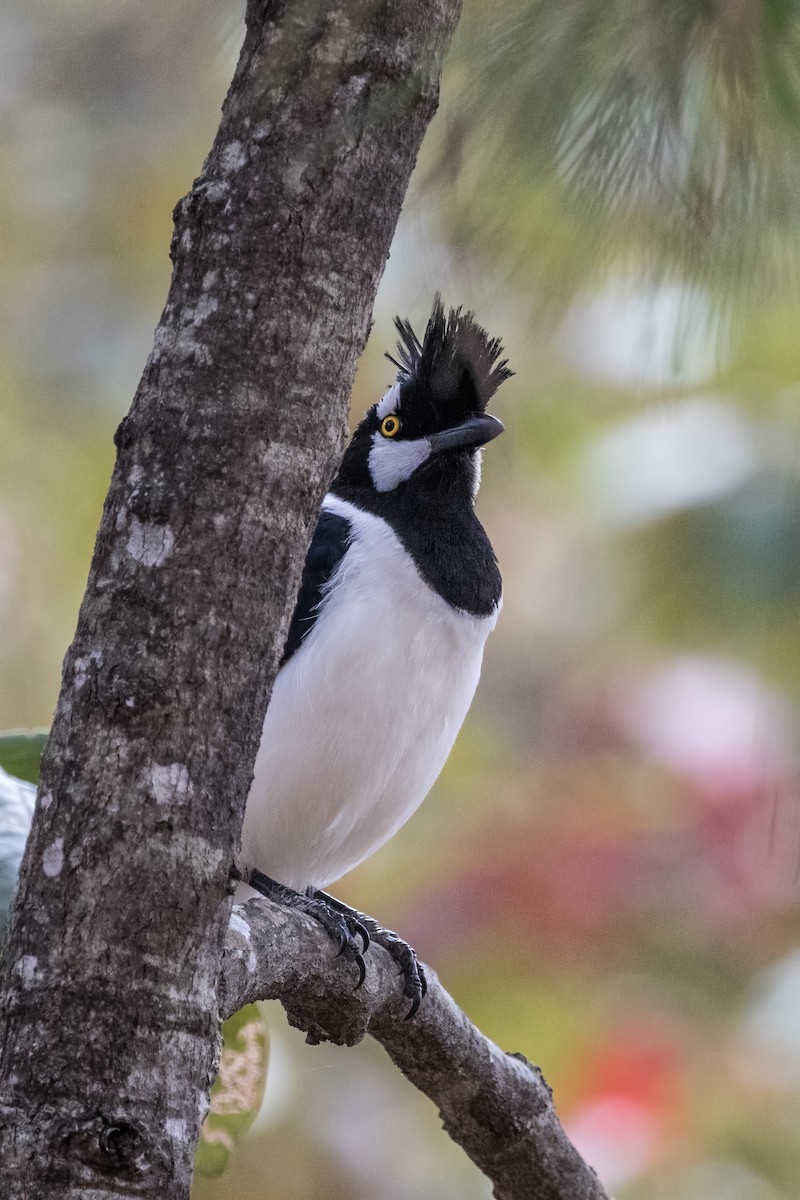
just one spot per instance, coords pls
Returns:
(434, 518)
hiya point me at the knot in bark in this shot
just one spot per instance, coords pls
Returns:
(113, 1146)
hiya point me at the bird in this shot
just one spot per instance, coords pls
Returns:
(399, 592)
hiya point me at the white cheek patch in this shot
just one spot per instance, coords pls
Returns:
(389, 402)
(391, 462)
(477, 464)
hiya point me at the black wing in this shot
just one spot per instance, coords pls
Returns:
(328, 545)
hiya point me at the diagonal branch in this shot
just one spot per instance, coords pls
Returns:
(496, 1106)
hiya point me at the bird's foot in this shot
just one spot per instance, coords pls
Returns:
(343, 927)
(414, 983)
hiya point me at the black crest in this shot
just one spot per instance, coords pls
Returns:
(454, 370)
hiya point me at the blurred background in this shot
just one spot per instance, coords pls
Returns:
(606, 875)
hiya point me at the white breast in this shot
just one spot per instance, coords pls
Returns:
(363, 716)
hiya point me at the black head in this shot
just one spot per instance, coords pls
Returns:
(426, 432)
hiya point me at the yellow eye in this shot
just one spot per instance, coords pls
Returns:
(390, 426)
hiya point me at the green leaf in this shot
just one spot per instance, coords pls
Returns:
(238, 1090)
(21, 752)
(669, 132)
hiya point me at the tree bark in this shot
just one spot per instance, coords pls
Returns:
(108, 1012)
(496, 1106)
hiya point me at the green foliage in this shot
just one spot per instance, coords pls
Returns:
(21, 752)
(238, 1089)
(660, 135)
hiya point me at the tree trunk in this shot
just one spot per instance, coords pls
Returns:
(109, 1020)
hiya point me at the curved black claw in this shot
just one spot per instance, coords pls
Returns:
(419, 985)
(362, 930)
(362, 970)
(348, 946)
(341, 927)
(355, 920)
(355, 926)
(415, 985)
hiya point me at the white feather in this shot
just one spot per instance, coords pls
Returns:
(393, 462)
(363, 716)
(388, 403)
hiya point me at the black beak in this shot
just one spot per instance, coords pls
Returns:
(477, 431)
